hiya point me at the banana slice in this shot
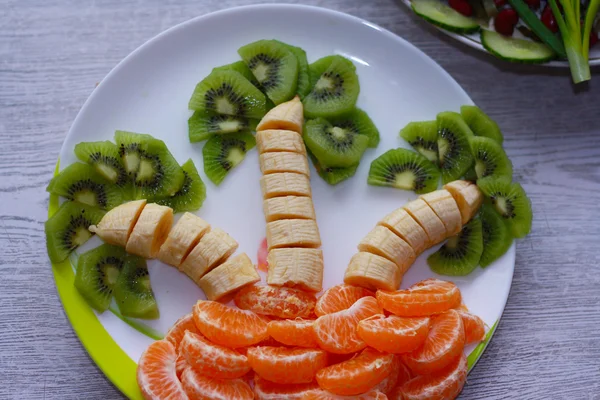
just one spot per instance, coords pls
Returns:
(288, 115)
(293, 233)
(117, 224)
(150, 231)
(383, 242)
(467, 196)
(284, 184)
(445, 207)
(233, 274)
(296, 267)
(284, 161)
(288, 207)
(372, 272)
(215, 247)
(184, 236)
(426, 217)
(402, 224)
(279, 140)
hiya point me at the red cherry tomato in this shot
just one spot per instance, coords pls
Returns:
(593, 38)
(549, 20)
(505, 21)
(462, 6)
(535, 4)
(499, 3)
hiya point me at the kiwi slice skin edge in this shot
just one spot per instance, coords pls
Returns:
(497, 238)
(191, 195)
(133, 292)
(222, 153)
(481, 124)
(453, 146)
(490, 158)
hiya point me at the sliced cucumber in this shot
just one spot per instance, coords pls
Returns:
(516, 50)
(444, 16)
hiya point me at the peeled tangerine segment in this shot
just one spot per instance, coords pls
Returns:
(393, 334)
(293, 332)
(372, 272)
(266, 390)
(340, 297)
(427, 218)
(293, 233)
(385, 243)
(179, 328)
(286, 365)
(279, 140)
(181, 240)
(116, 226)
(468, 197)
(214, 247)
(404, 225)
(198, 386)
(233, 274)
(445, 207)
(284, 161)
(285, 184)
(150, 231)
(288, 207)
(288, 115)
(446, 383)
(296, 267)
(275, 301)
(155, 373)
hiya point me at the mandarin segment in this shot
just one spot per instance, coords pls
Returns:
(281, 302)
(431, 296)
(340, 297)
(474, 327)
(286, 365)
(176, 332)
(199, 387)
(325, 395)
(445, 384)
(265, 390)
(393, 334)
(399, 375)
(180, 365)
(156, 374)
(293, 332)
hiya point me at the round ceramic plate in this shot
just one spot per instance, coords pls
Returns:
(474, 40)
(148, 92)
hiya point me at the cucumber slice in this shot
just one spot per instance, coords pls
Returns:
(444, 16)
(516, 50)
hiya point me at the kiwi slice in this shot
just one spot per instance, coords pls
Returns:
(404, 169)
(203, 125)
(335, 91)
(358, 122)
(191, 195)
(332, 175)
(241, 68)
(67, 229)
(228, 92)
(453, 146)
(303, 76)
(104, 157)
(510, 202)
(274, 66)
(222, 153)
(460, 254)
(422, 136)
(481, 124)
(490, 158)
(470, 175)
(316, 69)
(133, 291)
(496, 236)
(97, 273)
(334, 146)
(81, 183)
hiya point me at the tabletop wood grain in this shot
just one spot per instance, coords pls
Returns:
(53, 52)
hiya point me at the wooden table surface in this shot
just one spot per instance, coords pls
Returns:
(53, 52)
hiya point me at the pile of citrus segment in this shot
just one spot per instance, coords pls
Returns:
(283, 343)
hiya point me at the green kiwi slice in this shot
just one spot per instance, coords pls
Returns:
(67, 229)
(460, 254)
(97, 273)
(239, 67)
(510, 201)
(191, 195)
(104, 157)
(133, 292)
(81, 183)
(332, 175)
(335, 91)
(490, 158)
(358, 122)
(228, 92)
(334, 146)
(303, 76)
(453, 146)
(316, 69)
(404, 169)
(222, 153)
(470, 175)
(422, 136)
(274, 66)
(203, 125)
(496, 237)
(481, 124)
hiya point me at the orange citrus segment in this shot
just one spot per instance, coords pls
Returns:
(293, 332)
(183, 324)
(286, 365)
(213, 360)
(229, 326)
(399, 375)
(444, 343)
(337, 332)
(324, 395)
(474, 327)
(442, 385)
(199, 387)
(180, 365)
(340, 297)
(265, 390)
(281, 302)
(429, 297)
(156, 374)
(357, 375)
(393, 334)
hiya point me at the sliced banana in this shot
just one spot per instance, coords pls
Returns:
(445, 207)
(296, 267)
(283, 161)
(372, 272)
(288, 207)
(233, 274)
(285, 184)
(426, 217)
(385, 243)
(150, 231)
(213, 248)
(288, 115)
(117, 224)
(279, 140)
(293, 233)
(467, 196)
(404, 225)
(184, 236)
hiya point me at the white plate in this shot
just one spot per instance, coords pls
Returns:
(149, 91)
